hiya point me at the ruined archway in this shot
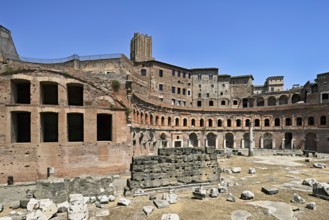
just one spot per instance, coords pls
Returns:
(310, 142)
(229, 140)
(193, 140)
(246, 140)
(267, 141)
(271, 101)
(296, 98)
(211, 140)
(283, 100)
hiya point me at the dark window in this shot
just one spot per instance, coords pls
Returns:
(188, 92)
(173, 89)
(299, 121)
(257, 122)
(104, 127)
(161, 99)
(288, 122)
(75, 127)
(185, 122)
(267, 122)
(21, 126)
(160, 73)
(199, 77)
(75, 94)
(178, 74)
(49, 93)
(310, 120)
(184, 74)
(201, 122)
(184, 91)
(193, 122)
(210, 77)
(169, 121)
(173, 72)
(223, 102)
(211, 103)
(49, 127)
(235, 102)
(229, 123)
(189, 75)
(207, 95)
(176, 122)
(247, 123)
(277, 122)
(21, 91)
(219, 123)
(210, 122)
(199, 103)
(160, 87)
(178, 90)
(199, 95)
(323, 120)
(238, 123)
(325, 96)
(143, 72)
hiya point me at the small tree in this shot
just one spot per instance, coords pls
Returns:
(115, 85)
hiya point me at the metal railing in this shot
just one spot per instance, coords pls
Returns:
(73, 57)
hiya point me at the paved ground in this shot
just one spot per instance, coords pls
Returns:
(286, 173)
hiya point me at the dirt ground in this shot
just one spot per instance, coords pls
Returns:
(285, 173)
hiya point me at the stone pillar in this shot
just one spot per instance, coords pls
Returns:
(224, 142)
(282, 143)
(234, 142)
(292, 143)
(262, 142)
(251, 139)
(242, 143)
(216, 143)
(273, 143)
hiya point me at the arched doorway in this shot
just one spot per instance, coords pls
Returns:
(246, 140)
(287, 140)
(271, 101)
(267, 141)
(193, 140)
(283, 100)
(211, 140)
(163, 140)
(310, 142)
(295, 98)
(229, 140)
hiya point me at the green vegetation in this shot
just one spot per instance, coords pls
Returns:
(116, 85)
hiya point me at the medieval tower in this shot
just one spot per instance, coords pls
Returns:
(141, 48)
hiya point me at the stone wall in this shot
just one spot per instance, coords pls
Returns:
(173, 167)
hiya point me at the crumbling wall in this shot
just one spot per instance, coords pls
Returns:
(174, 166)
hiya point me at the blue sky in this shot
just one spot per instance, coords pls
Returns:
(258, 37)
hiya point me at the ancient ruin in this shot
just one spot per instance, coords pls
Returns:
(93, 114)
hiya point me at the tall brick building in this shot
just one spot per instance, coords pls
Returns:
(91, 114)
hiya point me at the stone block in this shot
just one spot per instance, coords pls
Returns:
(247, 195)
(124, 202)
(170, 216)
(78, 210)
(148, 210)
(270, 190)
(297, 199)
(160, 203)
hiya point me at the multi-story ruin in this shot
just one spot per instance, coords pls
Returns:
(91, 114)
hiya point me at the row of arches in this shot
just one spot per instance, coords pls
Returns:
(150, 119)
(271, 100)
(228, 140)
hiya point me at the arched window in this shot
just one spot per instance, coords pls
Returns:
(323, 120)
(162, 120)
(283, 100)
(184, 122)
(247, 122)
(193, 122)
(201, 122)
(219, 123)
(229, 123)
(169, 121)
(271, 101)
(277, 122)
(260, 101)
(267, 122)
(209, 122)
(257, 122)
(288, 121)
(156, 120)
(310, 120)
(238, 122)
(177, 122)
(299, 121)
